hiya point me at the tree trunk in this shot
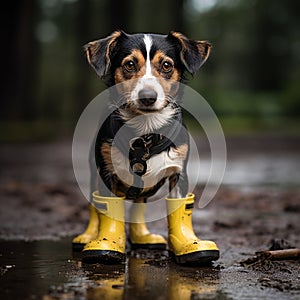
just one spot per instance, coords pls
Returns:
(19, 59)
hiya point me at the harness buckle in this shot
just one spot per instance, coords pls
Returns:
(138, 167)
(139, 153)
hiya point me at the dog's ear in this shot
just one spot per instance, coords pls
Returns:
(98, 53)
(193, 53)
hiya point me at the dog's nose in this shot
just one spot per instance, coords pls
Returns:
(147, 96)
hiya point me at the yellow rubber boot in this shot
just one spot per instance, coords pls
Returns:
(140, 237)
(182, 241)
(109, 245)
(89, 234)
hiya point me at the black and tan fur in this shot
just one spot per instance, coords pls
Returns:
(146, 70)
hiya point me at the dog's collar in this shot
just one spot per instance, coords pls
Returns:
(158, 141)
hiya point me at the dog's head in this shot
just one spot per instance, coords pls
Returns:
(148, 66)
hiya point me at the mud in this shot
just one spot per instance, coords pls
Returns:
(41, 208)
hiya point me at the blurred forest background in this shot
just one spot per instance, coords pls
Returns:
(252, 79)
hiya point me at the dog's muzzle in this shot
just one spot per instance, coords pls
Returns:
(147, 97)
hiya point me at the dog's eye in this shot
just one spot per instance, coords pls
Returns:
(130, 66)
(166, 67)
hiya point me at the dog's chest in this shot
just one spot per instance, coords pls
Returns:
(159, 166)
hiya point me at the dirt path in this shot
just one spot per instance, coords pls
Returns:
(41, 202)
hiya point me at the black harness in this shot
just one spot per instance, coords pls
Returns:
(143, 148)
(140, 148)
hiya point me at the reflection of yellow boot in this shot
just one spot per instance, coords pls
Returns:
(107, 289)
(140, 237)
(89, 234)
(108, 282)
(201, 284)
(183, 243)
(109, 246)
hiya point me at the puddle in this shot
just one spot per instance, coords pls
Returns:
(47, 270)
(253, 170)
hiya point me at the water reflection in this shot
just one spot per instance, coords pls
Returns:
(47, 270)
(151, 279)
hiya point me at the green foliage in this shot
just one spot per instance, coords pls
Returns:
(30, 131)
(290, 96)
(254, 69)
(251, 78)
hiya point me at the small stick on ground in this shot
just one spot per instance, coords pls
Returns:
(286, 254)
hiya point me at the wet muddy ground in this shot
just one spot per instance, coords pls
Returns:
(257, 207)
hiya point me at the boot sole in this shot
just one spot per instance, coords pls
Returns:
(148, 246)
(77, 247)
(103, 257)
(200, 257)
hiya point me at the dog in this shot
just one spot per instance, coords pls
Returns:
(153, 65)
(145, 72)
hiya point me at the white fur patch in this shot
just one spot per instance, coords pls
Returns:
(148, 44)
(159, 166)
(162, 165)
(148, 123)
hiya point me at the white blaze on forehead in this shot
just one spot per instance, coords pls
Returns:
(148, 80)
(148, 44)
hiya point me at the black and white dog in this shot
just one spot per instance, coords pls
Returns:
(142, 144)
(148, 68)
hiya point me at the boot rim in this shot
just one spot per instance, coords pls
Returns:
(97, 196)
(189, 196)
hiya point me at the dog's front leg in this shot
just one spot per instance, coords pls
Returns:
(174, 190)
(178, 185)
